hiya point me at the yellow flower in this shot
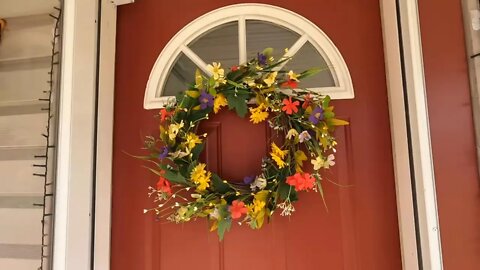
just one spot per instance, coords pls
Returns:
(257, 210)
(278, 160)
(292, 133)
(173, 130)
(317, 163)
(293, 76)
(277, 151)
(198, 79)
(201, 177)
(219, 102)
(216, 71)
(258, 114)
(270, 78)
(278, 155)
(300, 157)
(192, 140)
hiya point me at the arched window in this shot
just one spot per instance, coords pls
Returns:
(234, 34)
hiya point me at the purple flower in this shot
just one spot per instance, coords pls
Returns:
(164, 153)
(248, 179)
(262, 59)
(316, 115)
(206, 100)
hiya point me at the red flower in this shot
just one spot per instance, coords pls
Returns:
(234, 68)
(164, 114)
(308, 100)
(301, 181)
(290, 84)
(237, 209)
(290, 107)
(163, 185)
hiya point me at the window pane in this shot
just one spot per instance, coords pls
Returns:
(261, 35)
(308, 57)
(218, 45)
(180, 76)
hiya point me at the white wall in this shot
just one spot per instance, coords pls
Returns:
(25, 53)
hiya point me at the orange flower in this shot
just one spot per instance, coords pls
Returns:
(308, 100)
(290, 107)
(301, 181)
(164, 114)
(237, 209)
(163, 185)
(290, 84)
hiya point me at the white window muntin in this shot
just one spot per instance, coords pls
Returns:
(308, 32)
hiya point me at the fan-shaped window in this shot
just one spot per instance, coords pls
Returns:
(234, 34)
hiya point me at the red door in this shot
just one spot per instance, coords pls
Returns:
(359, 230)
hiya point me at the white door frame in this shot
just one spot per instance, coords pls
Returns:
(81, 135)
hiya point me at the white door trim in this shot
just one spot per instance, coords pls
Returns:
(421, 149)
(74, 194)
(106, 82)
(398, 128)
(75, 145)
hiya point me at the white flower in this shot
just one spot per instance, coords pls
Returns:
(287, 208)
(179, 154)
(215, 214)
(260, 182)
(329, 162)
(304, 136)
(319, 162)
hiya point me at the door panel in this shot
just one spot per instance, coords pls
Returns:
(358, 231)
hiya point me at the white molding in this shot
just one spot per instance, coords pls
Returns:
(103, 203)
(239, 12)
(429, 227)
(471, 17)
(398, 129)
(122, 2)
(75, 147)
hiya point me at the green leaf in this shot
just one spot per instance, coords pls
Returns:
(328, 115)
(285, 191)
(337, 122)
(197, 150)
(308, 73)
(320, 190)
(195, 115)
(212, 91)
(219, 185)
(311, 72)
(224, 225)
(172, 176)
(238, 103)
(326, 102)
(235, 84)
(267, 52)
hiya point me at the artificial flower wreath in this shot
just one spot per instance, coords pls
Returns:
(187, 190)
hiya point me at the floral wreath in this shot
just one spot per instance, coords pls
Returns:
(187, 190)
